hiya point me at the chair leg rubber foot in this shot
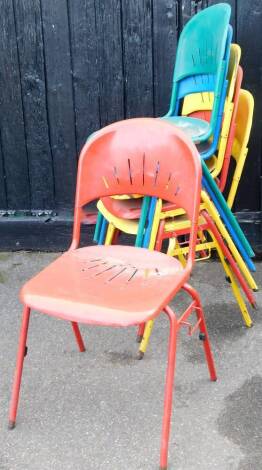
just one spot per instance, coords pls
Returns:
(254, 305)
(140, 355)
(162, 468)
(11, 425)
(255, 290)
(139, 338)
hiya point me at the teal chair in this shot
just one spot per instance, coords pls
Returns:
(200, 67)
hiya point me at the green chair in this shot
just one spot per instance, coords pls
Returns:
(200, 67)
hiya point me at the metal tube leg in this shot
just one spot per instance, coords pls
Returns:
(78, 336)
(242, 306)
(109, 234)
(203, 331)
(160, 236)
(145, 339)
(218, 226)
(19, 367)
(227, 253)
(203, 239)
(168, 388)
(207, 348)
(236, 292)
(115, 236)
(140, 332)
(181, 257)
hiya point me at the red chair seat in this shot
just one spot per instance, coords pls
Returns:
(109, 285)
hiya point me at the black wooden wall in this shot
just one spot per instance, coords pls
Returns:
(68, 67)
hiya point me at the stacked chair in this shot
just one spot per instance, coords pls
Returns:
(208, 104)
(137, 285)
(162, 180)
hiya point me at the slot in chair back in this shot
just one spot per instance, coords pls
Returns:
(197, 102)
(218, 107)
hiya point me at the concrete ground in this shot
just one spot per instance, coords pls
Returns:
(102, 409)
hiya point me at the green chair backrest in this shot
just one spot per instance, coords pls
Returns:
(202, 42)
(201, 51)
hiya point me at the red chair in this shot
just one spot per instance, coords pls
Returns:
(116, 285)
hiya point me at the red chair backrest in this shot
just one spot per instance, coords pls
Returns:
(145, 156)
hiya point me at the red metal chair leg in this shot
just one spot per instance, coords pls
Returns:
(203, 331)
(140, 332)
(160, 236)
(19, 368)
(226, 252)
(115, 236)
(78, 336)
(168, 388)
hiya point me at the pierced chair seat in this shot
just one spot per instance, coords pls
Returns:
(109, 285)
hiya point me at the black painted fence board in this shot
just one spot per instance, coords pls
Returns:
(165, 32)
(186, 11)
(32, 69)
(3, 200)
(249, 36)
(61, 112)
(110, 63)
(85, 68)
(190, 7)
(11, 114)
(138, 57)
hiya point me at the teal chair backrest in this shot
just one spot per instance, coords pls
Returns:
(202, 42)
(201, 53)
